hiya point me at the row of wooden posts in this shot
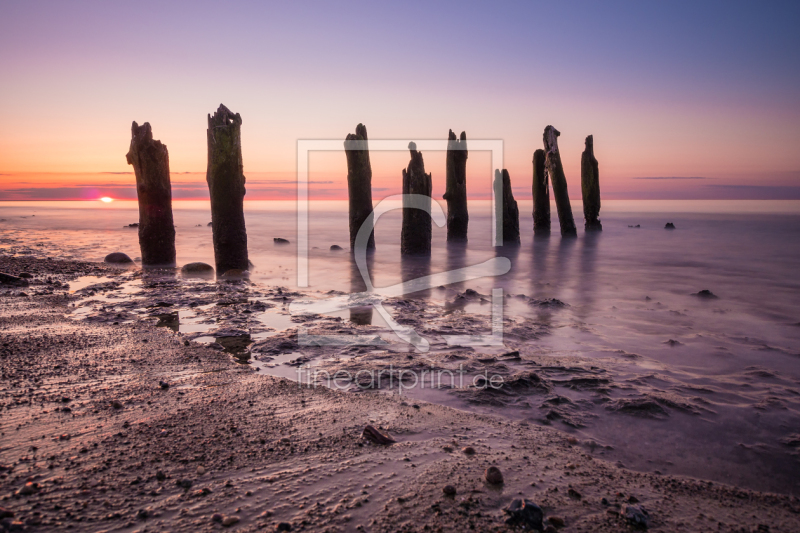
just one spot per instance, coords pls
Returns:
(226, 185)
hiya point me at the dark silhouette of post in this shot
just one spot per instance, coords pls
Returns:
(150, 161)
(415, 238)
(590, 187)
(359, 183)
(456, 188)
(541, 195)
(555, 173)
(225, 177)
(506, 210)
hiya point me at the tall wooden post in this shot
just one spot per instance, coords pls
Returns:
(541, 195)
(590, 187)
(225, 177)
(415, 238)
(456, 188)
(555, 173)
(506, 209)
(359, 183)
(150, 161)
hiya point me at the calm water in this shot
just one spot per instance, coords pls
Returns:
(733, 374)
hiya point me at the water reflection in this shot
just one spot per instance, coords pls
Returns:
(361, 316)
(587, 278)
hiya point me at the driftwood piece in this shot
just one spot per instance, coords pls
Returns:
(555, 173)
(456, 188)
(150, 161)
(359, 183)
(415, 238)
(506, 209)
(590, 187)
(541, 195)
(225, 177)
(373, 435)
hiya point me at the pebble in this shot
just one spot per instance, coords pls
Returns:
(557, 521)
(493, 476)
(469, 450)
(201, 470)
(28, 489)
(6, 513)
(525, 513)
(283, 526)
(216, 517)
(449, 490)
(228, 521)
(636, 515)
(116, 404)
(574, 494)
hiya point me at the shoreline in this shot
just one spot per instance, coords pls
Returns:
(92, 441)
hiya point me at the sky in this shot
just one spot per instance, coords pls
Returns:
(685, 100)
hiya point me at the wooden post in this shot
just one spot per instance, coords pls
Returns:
(225, 179)
(590, 187)
(415, 238)
(541, 195)
(555, 173)
(506, 209)
(150, 161)
(456, 188)
(359, 183)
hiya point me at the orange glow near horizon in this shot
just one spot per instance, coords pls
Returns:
(106, 200)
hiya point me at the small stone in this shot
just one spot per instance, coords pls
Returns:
(449, 490)
(557, 521)
(118, 258)
(335, 248)
(216, 517)
(201, 470)
(8, 279)
(25, 275)
(142, 514)
(228, 521)
(161, 476)
(283, 526)
(468, 450)
(197, 270)
(669, 225)
(493, 476)
(28, 489)
(6, 513)
(574, 494)
(636, 516)
(373, 435)
(705, 293)
(116, 404)
(525, 513)
(163, 384)
(280, 240)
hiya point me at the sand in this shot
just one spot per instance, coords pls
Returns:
(128, 427)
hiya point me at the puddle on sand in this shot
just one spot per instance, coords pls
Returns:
(86, 281)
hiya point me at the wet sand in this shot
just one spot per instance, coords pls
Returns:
(90, 440)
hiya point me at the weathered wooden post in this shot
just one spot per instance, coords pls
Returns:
(590, 187)
(541, 195)
(555, 173)
(506, 209)
(150, 161)
(359, 183)
(225, 177)
(456, 188)
(415, 238)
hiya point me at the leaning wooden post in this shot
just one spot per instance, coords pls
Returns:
(541, 196)
(506, 209)
(590, 187)
(150, 161)
(555, 173)
(415, 238)
(359, 183)
(456, 188)
(225, 179)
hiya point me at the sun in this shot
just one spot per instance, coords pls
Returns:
(106, 199)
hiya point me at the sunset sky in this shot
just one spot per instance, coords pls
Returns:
(684, 99)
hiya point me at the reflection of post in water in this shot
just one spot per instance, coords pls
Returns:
(361, 316)
(540, 286)
(456, 258)
(506, 281)
(413, 267)
(566, 247)
(586, 280)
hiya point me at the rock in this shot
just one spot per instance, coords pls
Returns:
(415, 237)
(574, 494)
(197, 270)
(506, 210)
(493, 476)
(216, 517)
(373, 435)
(557, 521)
(524, 513)
(669, 225)
(28, 489)
(228, 521)
(541, 195)
(8, 279)
(118, 258)
(225, 178)
(555, 173)
(280, 240)
(705, 293)
(25, 275)
(590, 187)
(185, 484)
(359, 184)
(116, 404)
(201, 470)
(163, 384)
(6, 513)
(142, 514)
(449, 490)
(235, 273)
(283, 526)
(335, 248)
(456, 187)
(161, 476)
(636, 515)
(134, 224)
(468, 450)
